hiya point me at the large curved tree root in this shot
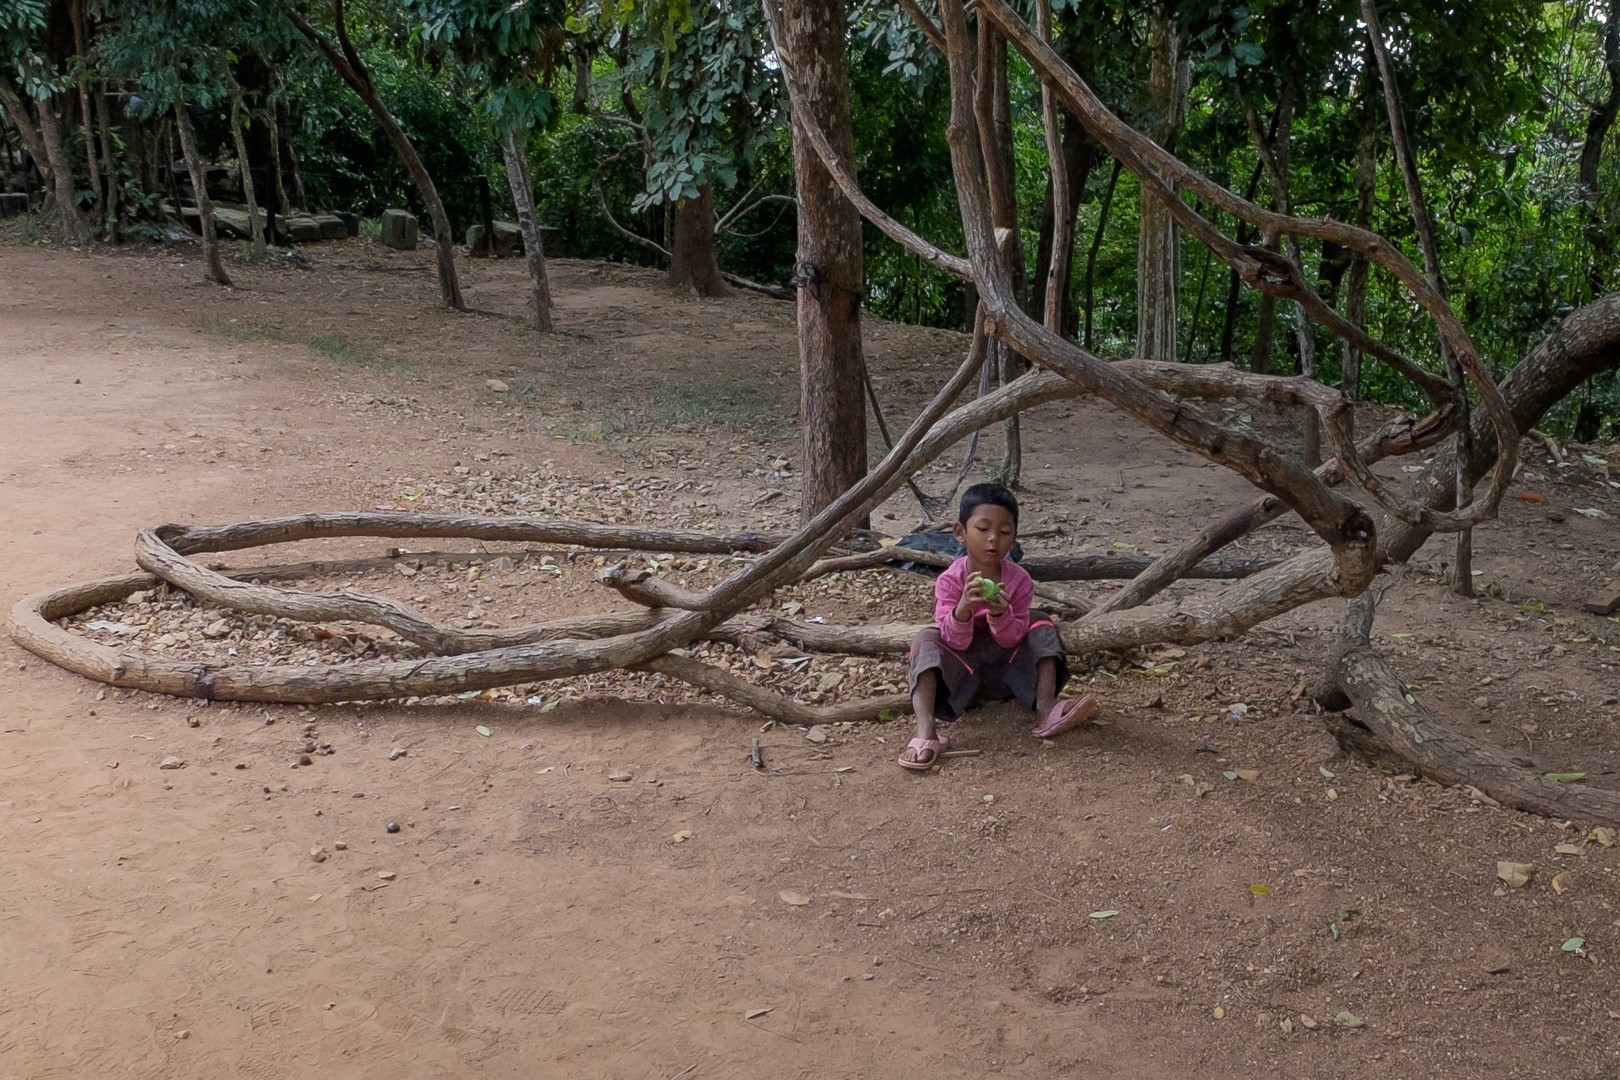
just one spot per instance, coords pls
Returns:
(1395, 722)
(462, 660)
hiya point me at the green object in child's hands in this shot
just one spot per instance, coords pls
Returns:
(991, 589)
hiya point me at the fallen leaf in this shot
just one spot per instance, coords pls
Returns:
(1603, 835)
(1307, 1022)
(1532, 496)
(1325, 771)
(755, 1014)
(1201, 789)
(845, 768)
(1565, 777)
(1516, 874)
(817, 733)
(497, 385)
(852, 895)
(1332, 795)
(1107, 913)
(483, 730)
(1347, 1019)
(1574, 944)
(1560, 882)
(683, 836)
(1250, 775)
(317, 896)
(1260, 889)
(1590, 511)
(1229, 774)
(797, 899)
(1570, 849)
(1286, 1026)
(552, 704)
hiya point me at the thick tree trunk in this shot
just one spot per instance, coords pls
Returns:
(254, 221)
(348, 65)
(74, 229)
(199, 188)
(832, 411)
(516, 153)
(694, 268)
(1158, 264)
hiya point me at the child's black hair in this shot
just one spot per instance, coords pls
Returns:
(987, 495)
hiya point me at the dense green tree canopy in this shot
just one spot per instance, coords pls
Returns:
(1505, 103)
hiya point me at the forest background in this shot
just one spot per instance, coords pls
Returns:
(644, 123)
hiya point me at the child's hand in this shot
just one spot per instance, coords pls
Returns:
(998, 603)
(972, 593)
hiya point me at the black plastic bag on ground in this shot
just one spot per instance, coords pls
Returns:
(944, 543)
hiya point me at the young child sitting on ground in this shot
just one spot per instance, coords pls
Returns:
(987, 644)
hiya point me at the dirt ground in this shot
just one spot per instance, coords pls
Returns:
(1314, 917)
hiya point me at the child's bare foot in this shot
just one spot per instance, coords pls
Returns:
(1065, 715)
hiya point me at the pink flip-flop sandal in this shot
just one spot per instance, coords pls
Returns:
(935, 749)
(1067, 714)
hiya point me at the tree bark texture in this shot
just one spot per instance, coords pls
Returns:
(1158, 263)
(199, 186)
(516, 152)
(74, 229)
(832, 410)
(694, 267)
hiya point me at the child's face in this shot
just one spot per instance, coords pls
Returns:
(988, 533)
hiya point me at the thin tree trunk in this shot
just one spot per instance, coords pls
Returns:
(993, 108)
(254, 221)
(1198, 307)
(1355, 294)
(278, 181)
(74, 229)
(199, 187)
(81, 46)
(348, 65)
(693, 265)
(1264, 333)
(515, 151)
(1275, 153)
(1158, 265)
(1087, 338)
(1060, 246)
(109, 164)
(1462, 581)
(1599, 229)
(832, 364)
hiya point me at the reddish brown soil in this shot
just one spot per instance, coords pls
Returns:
(542, 920)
